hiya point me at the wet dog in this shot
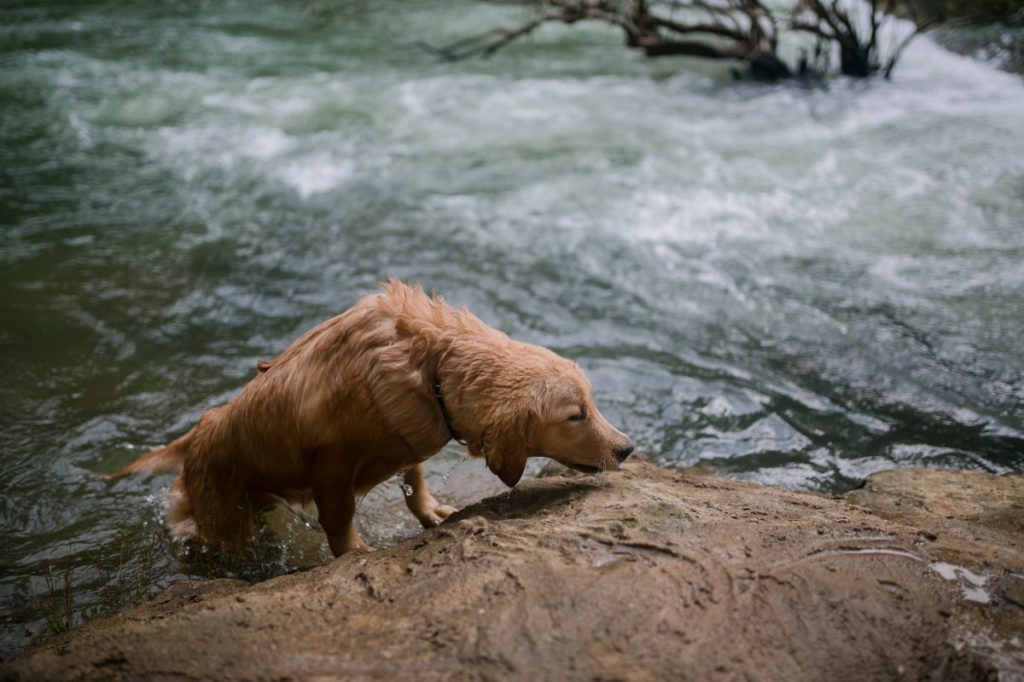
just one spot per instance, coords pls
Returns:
(371, 393)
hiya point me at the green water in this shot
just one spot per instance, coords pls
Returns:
(797, 285)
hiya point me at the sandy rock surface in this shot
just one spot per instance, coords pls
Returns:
(634, 575)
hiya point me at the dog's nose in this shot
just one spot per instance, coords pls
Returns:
(625, 451)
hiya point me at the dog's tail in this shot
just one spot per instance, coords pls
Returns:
(160, 461)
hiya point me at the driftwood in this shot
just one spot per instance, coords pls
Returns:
(859, 51)
(740, 30)
(743, 30)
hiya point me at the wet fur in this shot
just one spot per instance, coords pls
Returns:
(352, 402)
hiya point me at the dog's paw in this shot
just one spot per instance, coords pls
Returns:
(353, 547)
(442, 512)
(361, 547)
(434, 514)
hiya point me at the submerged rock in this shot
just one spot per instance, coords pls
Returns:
(638, 574)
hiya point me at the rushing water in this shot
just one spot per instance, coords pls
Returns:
(797, 285)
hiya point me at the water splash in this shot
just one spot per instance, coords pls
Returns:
(972, 584)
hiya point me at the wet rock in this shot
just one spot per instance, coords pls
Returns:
(968, 516)
(637, 574)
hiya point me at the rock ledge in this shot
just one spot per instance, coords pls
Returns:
(639, 574)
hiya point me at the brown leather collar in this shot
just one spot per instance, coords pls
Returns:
(444, 414)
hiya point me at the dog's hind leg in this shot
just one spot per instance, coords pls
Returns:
(180, 519)
(421, 503)
(222, 509)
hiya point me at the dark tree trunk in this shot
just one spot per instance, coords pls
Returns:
(855, 60)
(766, 66)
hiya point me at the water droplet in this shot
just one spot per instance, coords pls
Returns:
(447, 474)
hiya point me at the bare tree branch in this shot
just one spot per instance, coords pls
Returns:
(486, 44)
(744, 30)
(898, 52)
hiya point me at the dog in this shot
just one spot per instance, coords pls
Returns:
(369, 394)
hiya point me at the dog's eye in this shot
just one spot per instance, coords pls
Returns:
(579, 417)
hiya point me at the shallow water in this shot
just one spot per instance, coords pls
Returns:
(798, 285)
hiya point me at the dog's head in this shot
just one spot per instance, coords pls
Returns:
(550, 413)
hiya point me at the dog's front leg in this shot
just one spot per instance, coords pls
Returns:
(335, 499)
(421, 503)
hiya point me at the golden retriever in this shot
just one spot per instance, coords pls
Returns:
(370, 393)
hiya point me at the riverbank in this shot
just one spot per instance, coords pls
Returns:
(644, 573)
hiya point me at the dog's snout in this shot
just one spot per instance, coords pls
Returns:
(625, 451)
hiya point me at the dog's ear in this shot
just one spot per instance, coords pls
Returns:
(507, 466)
(507, 443)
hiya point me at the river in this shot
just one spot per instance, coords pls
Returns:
(795, 285)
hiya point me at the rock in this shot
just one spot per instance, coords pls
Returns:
(638, 574)
(972, 518)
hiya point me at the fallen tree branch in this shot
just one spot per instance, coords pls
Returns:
(485, 44)
(747, 28)
(741, 30)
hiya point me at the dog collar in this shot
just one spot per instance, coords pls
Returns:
(444, 414)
